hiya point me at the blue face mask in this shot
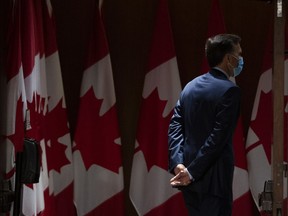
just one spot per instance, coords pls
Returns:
(239, 68)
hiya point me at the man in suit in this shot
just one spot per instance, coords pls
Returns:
(201, 131)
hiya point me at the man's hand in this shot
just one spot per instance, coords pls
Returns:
(179, 168)
(181, 178)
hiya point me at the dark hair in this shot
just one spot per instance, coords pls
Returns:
(218, 46)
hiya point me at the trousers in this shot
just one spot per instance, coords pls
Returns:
(206, 204)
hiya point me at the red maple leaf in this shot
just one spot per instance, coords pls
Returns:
(18, 136)
(239, 146)
(263, 124)
(34, 125)
(56, 126)
(95, 135)
(35, 118)
(152, 131)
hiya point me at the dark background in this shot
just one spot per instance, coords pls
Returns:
(128, 26)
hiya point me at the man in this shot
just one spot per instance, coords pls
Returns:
(201, 131)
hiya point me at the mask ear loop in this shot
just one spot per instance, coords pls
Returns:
(229, 64)
(236, 59)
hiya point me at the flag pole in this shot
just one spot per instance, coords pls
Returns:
(278, 106)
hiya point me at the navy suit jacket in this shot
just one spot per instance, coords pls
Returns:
(201, 131)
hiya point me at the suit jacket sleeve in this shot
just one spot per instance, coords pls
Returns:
(227, 113)
(176, 138)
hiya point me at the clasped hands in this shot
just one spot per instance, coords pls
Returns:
(181, 177)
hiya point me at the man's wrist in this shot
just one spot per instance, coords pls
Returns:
(190, 176)
(178, 168)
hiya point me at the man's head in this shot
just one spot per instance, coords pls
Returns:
(223, 51)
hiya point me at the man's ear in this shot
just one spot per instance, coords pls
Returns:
(228, 58)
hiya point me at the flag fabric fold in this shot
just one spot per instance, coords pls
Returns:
(58, 139)
(150, 191)
(38, 98)
(13, 129)
(260, 132)
(92, 177)
(98, 173)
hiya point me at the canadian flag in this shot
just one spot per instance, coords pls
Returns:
(38, 97)
(15, 99)
(242, 200)
(58, 145)
(216, 26)
(260, 133)
(98, 176)
(150, 191)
